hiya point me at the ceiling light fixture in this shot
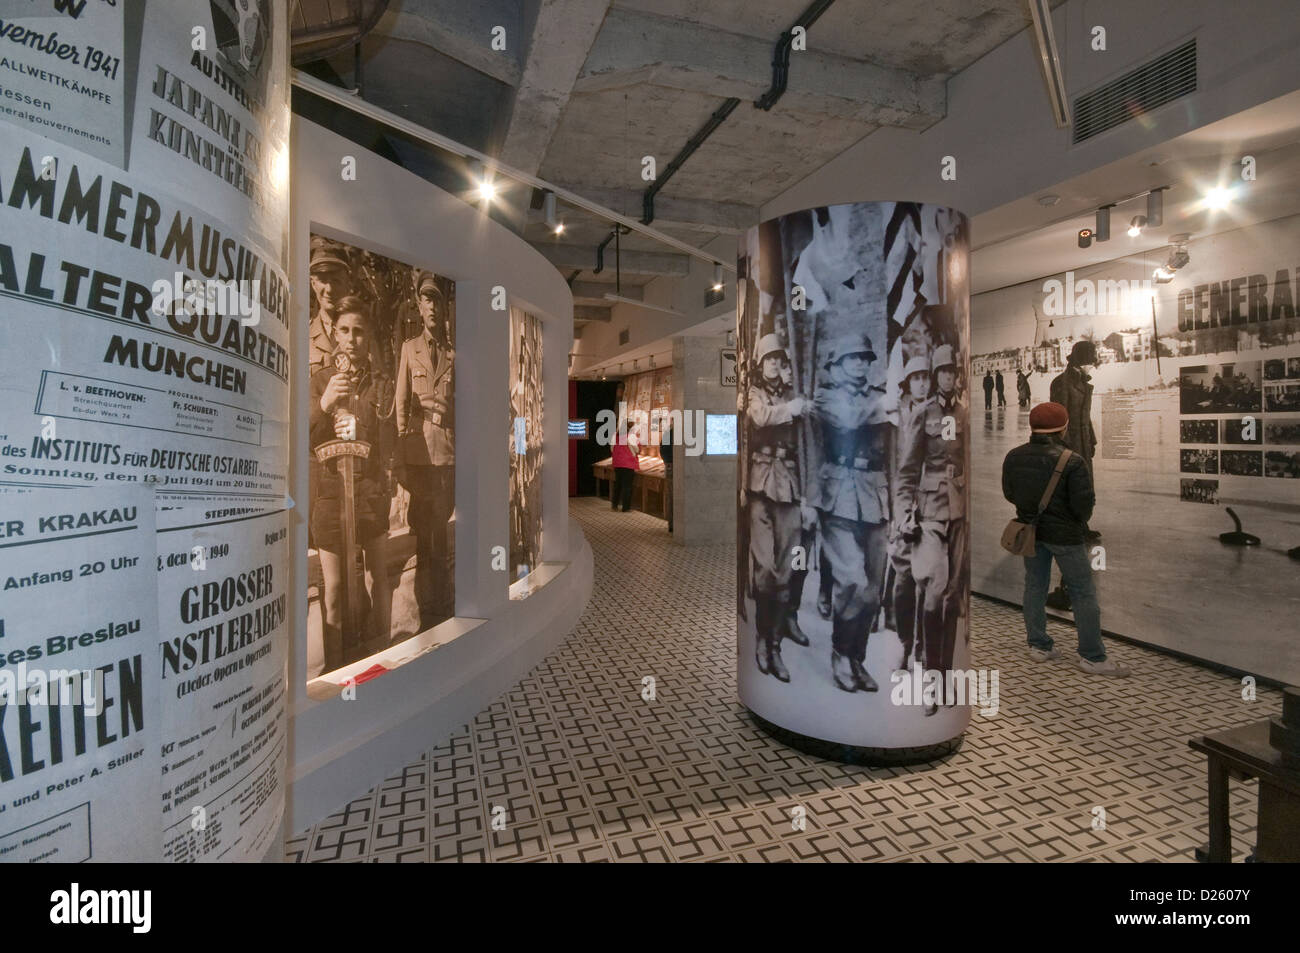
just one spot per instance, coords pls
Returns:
(609, 296)
(487, 191)
(1103, 224)
(1135, 226)
(1156, 207)
(1085, 237)
(1178, 258)
(1047, 201)
(1217, 198)
(548, 206)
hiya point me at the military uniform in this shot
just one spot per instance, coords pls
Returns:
(933, 478)
(426, 429)
(906, 531)
(852, 496)
(774, 520)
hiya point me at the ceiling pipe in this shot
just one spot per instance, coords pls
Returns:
(697, 140)
(781, 55)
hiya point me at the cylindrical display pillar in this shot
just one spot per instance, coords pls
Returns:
(853, 553)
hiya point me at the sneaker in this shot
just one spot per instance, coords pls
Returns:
(1044, 655)
(1105, 667)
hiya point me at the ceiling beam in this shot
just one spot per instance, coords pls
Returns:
(630, 262)
(562, 36)
(637, 48)
(460, 30)
(587, 312)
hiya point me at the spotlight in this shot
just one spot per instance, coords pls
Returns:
(1103, 224)
(1178, 259)
(1085, 237)
(1156, 207)
(1218, 198)
(717, 277)
(1162, 276)
(1135, 227)
(548, 205)
(482, 182)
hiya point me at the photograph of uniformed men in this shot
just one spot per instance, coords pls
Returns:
(853, 402)
(525, 451)
(381, 406)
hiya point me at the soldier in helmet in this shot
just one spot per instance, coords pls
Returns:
(853, 499)
(774, 501)
(906, 530)
(932, 478)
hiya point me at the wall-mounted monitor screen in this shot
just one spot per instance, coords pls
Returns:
(719, 434)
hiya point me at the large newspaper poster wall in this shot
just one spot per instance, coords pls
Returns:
(1196, 411)
(80, 718)
(143, 253)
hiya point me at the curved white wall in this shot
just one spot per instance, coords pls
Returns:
(339, 749)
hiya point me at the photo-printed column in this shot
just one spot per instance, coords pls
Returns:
(853, 563)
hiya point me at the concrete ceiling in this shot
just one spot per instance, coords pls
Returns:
(584, 89)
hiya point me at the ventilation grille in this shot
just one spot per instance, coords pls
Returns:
(712, 297)
(624, 336)
(1140, 91)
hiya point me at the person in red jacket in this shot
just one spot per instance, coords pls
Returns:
(626, 450)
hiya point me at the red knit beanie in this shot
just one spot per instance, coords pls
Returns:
(1048, 418)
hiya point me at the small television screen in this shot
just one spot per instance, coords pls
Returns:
(578, 429)
(719, 434)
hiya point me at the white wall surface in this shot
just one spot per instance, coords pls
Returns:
(340, 749)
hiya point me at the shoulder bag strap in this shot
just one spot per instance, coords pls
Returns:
(1054, 481)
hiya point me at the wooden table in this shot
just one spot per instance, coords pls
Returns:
(648, 489)
(1244, 753)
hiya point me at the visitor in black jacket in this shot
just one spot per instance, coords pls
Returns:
(1060, 536)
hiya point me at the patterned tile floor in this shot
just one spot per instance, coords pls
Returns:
(580, 768)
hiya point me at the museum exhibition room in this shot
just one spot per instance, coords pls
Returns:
(652, 431)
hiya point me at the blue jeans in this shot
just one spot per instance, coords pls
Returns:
(1076, 573)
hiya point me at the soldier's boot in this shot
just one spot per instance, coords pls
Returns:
(865, 682)
(905, 616)
(775, 664)
(931, 623)
(761, 628)
(842, 671)
(790, 617)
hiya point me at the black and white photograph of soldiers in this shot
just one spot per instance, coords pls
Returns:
(1241, 462)
(853, 403)
(1280, 463)
(1198, 431)
(382, 482)
(525, 443)
(1198, 461)
(1199, 491)
(1284, 430)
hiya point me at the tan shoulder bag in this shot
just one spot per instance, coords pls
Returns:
(1021, 539)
